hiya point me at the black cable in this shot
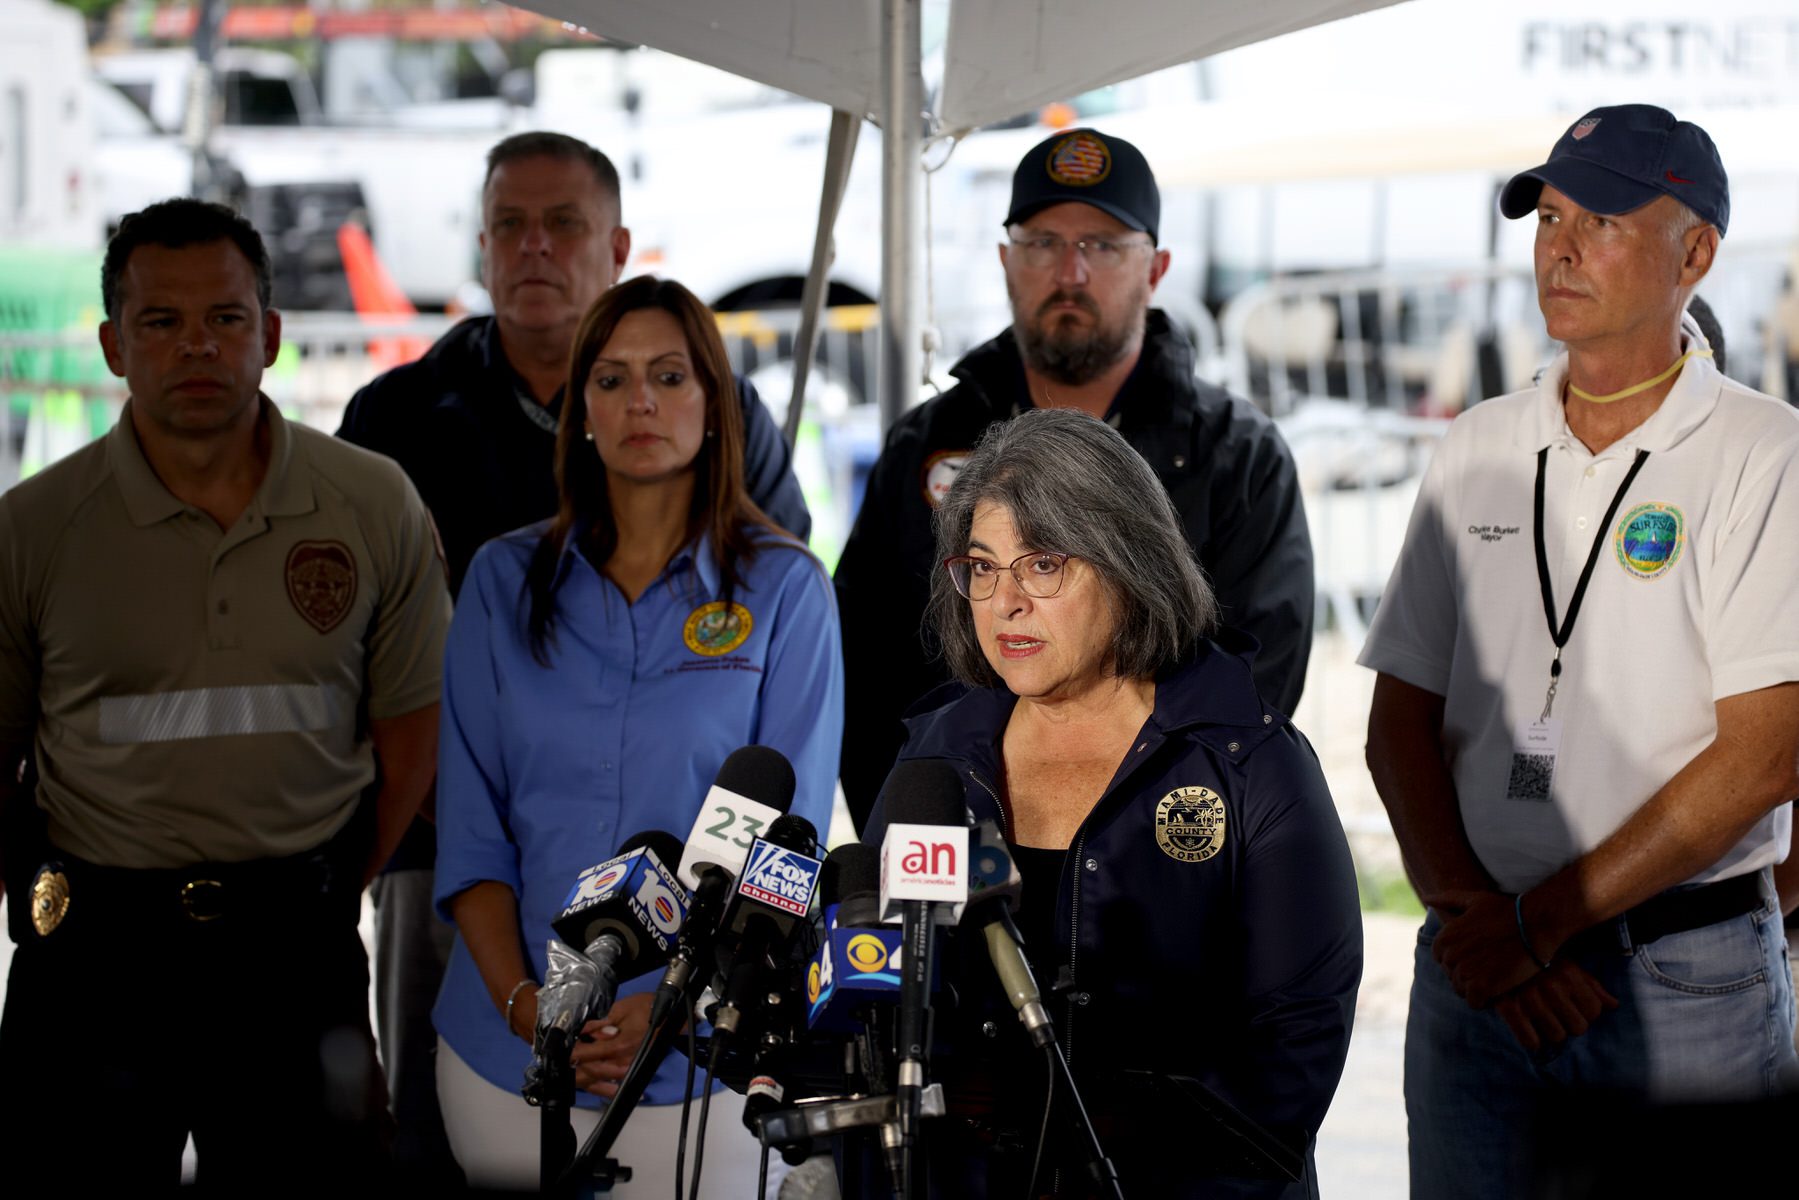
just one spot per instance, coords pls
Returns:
(699, 1150)
(762, 1178)
(686, 1105)
(1049, 1103)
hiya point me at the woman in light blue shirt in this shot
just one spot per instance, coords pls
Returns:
(600, 668)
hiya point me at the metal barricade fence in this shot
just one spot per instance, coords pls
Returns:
(1431, 341)
(56, 393)
(1436, 341)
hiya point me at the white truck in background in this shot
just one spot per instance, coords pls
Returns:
(47, 193)
(721, 176)
(416, 189)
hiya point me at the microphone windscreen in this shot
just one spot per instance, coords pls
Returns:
(925, 791)
(664, 845)
(793, 832)
(759, 773)
(854, 869)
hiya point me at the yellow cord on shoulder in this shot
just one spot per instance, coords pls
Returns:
(1670, 373)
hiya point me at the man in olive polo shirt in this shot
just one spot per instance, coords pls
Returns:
(214, 627)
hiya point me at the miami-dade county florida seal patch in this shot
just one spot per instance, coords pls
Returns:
(1190, 824)
(321, 581)
(712, 631)
(939, 474)
(1650, 538)
(1079, 160)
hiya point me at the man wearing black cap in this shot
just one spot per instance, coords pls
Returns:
(1586, 723)
(1081, 262)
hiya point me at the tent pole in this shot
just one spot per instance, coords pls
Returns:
(840, 152)
(902, 213)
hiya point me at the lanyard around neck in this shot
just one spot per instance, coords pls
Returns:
(1559, 634)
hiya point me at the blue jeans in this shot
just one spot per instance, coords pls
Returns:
(1705, 1015)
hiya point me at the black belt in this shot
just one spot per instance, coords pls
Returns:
(197, 894)
(1690, 908)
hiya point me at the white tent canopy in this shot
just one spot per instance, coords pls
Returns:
(865, 58)
(1000, 57)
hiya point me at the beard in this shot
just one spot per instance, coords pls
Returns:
(1073, 354)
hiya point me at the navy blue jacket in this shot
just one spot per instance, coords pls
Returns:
(1239, 969)
(1225, 466)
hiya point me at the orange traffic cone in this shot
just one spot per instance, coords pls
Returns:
(377, 297)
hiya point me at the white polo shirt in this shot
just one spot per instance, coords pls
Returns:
(1691, 600)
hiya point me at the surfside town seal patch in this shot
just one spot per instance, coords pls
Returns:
(1650, 538)
(1190, 824)
(712, 631)
(321, 582)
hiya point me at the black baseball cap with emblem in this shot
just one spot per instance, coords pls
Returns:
(1620, 158)
(1087, 167)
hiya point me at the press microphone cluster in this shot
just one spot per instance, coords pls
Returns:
(752, 792)
(823, 1013)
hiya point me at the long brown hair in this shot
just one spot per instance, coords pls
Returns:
(721, 508)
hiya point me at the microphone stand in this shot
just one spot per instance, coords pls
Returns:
(655, 1047)
(913, 1037)
(556, 1132)
(1100, 1169)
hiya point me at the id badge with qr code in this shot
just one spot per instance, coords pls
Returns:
(1533, 760)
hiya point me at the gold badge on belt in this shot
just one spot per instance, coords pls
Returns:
(49, 899)
(1190, 824)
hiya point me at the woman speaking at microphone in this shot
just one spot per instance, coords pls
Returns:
(600, 668)
(1187, 888)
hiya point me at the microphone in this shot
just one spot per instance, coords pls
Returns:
(633, 899)
(780, 876)
(570, 983)
(994, 889)
(924, 879)
(754, 788)
(858, 958)
(625, 912)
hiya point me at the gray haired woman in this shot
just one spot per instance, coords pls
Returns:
(1188, 892)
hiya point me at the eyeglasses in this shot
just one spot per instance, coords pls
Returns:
(975, 578)
(1044, 250)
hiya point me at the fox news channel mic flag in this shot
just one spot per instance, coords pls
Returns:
(779, 878)
(773, 894)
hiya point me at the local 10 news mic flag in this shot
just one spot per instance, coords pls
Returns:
(620, 921)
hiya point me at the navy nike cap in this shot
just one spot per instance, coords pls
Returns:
(1087, 167)
(1620, 158)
